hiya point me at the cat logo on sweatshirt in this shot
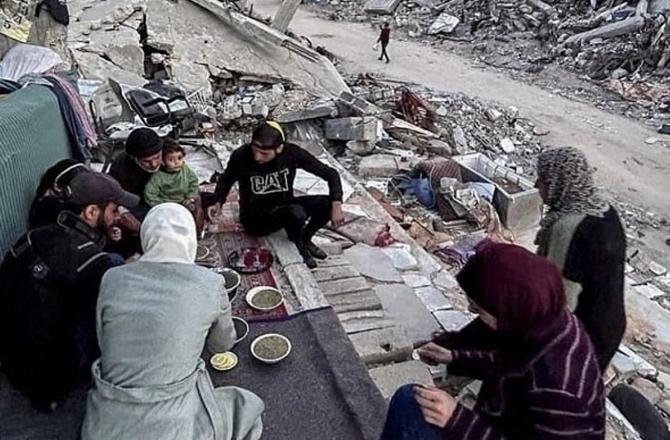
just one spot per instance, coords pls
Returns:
(270, 183)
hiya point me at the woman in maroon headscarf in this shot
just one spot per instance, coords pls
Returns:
(540, 377)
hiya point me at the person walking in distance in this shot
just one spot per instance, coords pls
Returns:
(384, 38)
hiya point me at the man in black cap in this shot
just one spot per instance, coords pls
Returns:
(49, 283)
(134, 167)
(265, 170)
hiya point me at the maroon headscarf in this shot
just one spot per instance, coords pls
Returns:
(522, 290)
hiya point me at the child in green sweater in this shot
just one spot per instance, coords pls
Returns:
(175, 182)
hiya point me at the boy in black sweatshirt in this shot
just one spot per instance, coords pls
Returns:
(265, 171)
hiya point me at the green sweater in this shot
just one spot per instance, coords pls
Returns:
(171, 187)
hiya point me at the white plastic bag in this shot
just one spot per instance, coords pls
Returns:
(376, 46)
(23, 59)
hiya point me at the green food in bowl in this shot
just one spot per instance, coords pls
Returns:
(267, 298)
(271, 347)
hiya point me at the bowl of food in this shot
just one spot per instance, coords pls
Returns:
(232, 280)
(264, 298)
(224, 361)
(241, 329)
(271, 348)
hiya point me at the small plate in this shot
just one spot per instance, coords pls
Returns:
(224, 361)
(257, 290)
(265, 336)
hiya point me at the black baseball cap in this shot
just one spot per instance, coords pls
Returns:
(97, 189)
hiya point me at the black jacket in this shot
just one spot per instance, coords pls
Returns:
(49, 284)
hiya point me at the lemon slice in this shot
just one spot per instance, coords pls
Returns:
(224, 361)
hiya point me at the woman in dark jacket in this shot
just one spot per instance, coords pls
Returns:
(540, 377)
(583, 236)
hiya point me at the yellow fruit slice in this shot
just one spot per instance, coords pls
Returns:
(224, 361)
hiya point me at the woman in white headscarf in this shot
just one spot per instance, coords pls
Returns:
(153, 320)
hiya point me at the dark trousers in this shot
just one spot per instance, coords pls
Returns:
(405, 420)
(384, 53)
(301, 218)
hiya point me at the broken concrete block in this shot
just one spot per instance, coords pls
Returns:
(382, 345)
(364, 320)
(657, 269)
(507, 145)
(378, 165)
(402, 257)
(391, 377)
(623, 358)
(433, 298)
(445, 281)
(354, 301)
(334, 273)
(305, 287)
(445, 24)
(405, 308)
(361, 148)
(386, 7)
(346, 285)
(352, 129)
(615, 29)
(285, 251)
(648, 389)
(453, 320)
(319, 111)
(416, 280)
(493, 114)
(361, 256)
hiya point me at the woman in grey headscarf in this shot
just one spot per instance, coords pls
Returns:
(583, 235)
(153, 320)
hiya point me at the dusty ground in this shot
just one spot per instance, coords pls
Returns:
(627, 166)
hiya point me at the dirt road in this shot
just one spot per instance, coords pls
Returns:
(614, 144)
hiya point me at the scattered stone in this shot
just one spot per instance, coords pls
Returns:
(445, 281)
(507, 145)
(378, 165)
(406, 309)
(372, 263)
(381, 6)
(493, 114)
(416, 280)
(445, 24)
(401, 255)
(391, 377)
(433, 298)
(453, 320)
(348, 129)
(361, 148)
(643, 368)
(651, 141)
(657, 269)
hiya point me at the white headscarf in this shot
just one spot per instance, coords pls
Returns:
(168, 235)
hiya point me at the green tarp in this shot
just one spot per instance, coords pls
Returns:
(32, 137)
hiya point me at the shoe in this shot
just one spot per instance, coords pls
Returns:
(316, 251)
(388, 61)
(379, 59)
(307, 257)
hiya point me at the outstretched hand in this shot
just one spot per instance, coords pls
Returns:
(433, 354)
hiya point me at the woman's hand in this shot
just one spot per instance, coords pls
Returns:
(437, 406)
(433, 354)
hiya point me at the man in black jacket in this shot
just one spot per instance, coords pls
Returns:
(265, 170)
(49, 283)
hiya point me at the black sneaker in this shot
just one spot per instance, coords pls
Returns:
(316, 251)
(307, 257)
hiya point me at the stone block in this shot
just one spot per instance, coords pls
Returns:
(382, 345)
(401, 255)
(373, 263)
(649, 291)
(364, 320)
(285, 251)
(433, 298)
(453, 320)
(334, 273)
(445, 281)
(416, 280)
(386, 7)
(305, 287)
(346, 285)
(352, 129)
(351, 302)
(391, 377)
(648, 389)
(625, 356)
(334, 261)
(319, 111)
(403, 306)
(378, 165)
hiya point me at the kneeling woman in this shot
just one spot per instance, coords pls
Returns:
(540, 377)
(153, 319)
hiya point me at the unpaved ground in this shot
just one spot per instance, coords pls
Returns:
(614, 144)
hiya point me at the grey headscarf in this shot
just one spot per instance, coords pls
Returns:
(568, 180)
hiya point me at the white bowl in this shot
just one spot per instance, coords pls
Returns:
(245, 325)
(271, 361)
(256, 290)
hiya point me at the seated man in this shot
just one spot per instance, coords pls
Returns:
(133, 168)
(265, 170)
(49, 283)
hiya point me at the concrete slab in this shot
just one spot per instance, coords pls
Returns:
(364, 320)
(382, 345)
(415, 280)
(334, 273)
(433, 298)
(391, 377)
(401, 255)
(649, 291)
(445, 281)
(347, 285)
(305, 287)
(373, 263)
(334, 261)
(453, 320)
(387, 7)
(378, 165)
(352, 129)
(357, 301)
(285, 251)
(402, 305)
(642, 366)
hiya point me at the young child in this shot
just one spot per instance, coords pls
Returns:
(175, 182)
